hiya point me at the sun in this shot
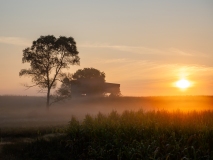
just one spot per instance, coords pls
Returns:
(183, 84)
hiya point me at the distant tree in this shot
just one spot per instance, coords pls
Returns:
(89, 74)
(64, 91)
(92, 81)
(48, 56)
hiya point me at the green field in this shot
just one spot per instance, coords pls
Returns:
(116, 132)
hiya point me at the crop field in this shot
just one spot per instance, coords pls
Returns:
(171, 128)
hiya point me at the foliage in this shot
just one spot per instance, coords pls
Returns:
(90, 81)
(64, 91)
(130, 135)
(47, 57)
(89, 74)
(140, 135)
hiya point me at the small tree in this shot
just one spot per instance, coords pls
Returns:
(47, 57)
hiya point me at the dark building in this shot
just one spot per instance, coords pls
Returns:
(91, 88)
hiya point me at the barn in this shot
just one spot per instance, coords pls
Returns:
(87, 88)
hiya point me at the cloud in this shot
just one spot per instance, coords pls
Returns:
(111, 61)
(142, 49)
(133, 49)
(177, 51)
(127, 69)
(186, 53)
(18, 41)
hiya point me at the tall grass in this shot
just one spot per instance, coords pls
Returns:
(143, 135)
(130, 135)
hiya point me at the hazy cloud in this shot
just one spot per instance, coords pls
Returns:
(108, 61)
(141, 49)
(177, 51)
(15, 41)
(133, 49)
(186, 53)
(124, 69)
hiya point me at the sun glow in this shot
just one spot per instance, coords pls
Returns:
(183, 84)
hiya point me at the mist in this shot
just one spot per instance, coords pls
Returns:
(27, 111)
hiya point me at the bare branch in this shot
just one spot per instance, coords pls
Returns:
(42, 91)
(28, 87)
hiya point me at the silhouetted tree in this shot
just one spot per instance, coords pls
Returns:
(89, 81)
(92, 81)
(47, 57)
(89, 74)
(64, 91)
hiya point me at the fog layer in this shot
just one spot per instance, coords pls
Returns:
(24, 111)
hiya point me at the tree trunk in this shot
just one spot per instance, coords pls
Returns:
(48, 99)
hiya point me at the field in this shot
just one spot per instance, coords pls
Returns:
(107, 128)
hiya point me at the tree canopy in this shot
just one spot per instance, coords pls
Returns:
(89, 74)
(89, 81)
(92, 81)
(48, 56)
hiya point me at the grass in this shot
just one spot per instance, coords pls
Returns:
(151, 135)
(130, 135)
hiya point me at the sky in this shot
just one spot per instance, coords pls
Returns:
(144, 45)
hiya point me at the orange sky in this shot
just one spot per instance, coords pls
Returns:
(146, 46)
